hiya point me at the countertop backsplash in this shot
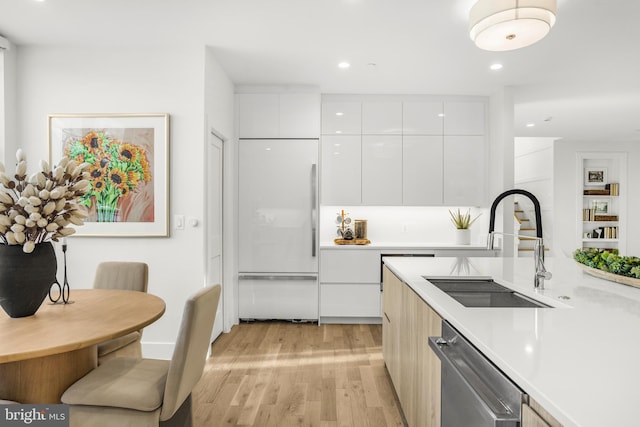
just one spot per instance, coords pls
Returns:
(406, 224)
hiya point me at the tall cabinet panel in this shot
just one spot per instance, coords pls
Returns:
(464, 171)
(382, 117)
(299, 115)
(258, 115)
(422, 170)
(381, 170)
(343, 118)
(341, 170)
(464, 118)
(422, 118)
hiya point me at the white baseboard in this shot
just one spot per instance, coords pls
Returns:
(324, 320)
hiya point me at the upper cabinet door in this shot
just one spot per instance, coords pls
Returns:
(465, 171)
(464, 118)
(299, 115)
(422, 118)
(422, 170)
(381, 170)
(342, 118)
(381, 117)
(258, 115)
(341, 170)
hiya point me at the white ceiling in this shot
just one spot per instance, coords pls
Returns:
(585, 74)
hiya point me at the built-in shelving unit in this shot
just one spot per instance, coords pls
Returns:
(601, 200)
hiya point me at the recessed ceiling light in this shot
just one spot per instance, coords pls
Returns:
(440, 114)
(338, 131)
(344, 65)
(339, 113)
(530, 125)
(495, 67)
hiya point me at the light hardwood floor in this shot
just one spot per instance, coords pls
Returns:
(283, 374)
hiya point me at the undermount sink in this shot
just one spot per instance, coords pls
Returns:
(482, 292)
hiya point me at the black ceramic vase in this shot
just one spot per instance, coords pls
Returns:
(25, 279)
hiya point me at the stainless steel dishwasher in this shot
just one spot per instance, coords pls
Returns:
(474, 392)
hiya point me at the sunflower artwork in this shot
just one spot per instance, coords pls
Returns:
(119, 174)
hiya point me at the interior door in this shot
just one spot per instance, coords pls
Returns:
(214, 224)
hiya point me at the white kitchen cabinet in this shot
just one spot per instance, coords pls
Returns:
(258, 115)
(343, 118)
(349, 284)
(422, 118)
(422, 170)
(464, 118)
(341, 170)
(299, 115)
(382, 117)
(278, 115)
(465, 171)
(381, 170)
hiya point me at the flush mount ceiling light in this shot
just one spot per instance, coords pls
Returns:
(499, 25)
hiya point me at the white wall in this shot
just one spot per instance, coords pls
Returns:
(219, 108)
(501, 138)
(565, 187)
(404, 224)
(8, 99)
(121, 80)
(533, 172)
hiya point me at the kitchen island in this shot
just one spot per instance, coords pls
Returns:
(578, 359)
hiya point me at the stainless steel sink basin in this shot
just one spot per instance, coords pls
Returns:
(482, 292)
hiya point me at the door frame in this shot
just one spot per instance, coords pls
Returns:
(215, 137)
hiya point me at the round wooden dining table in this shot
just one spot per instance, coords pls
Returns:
(43, 354)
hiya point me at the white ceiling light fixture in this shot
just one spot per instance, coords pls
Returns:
(496, 67)
(344, 65)
(499, 25)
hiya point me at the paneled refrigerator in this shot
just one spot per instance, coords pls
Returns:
(277, 246)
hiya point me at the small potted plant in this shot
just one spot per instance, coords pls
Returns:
(462, 223)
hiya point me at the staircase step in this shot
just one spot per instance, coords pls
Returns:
(529, 249)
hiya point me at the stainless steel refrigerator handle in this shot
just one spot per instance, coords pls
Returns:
(314, 214)
(274, 277)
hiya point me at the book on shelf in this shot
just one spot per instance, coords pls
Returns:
(603, 192)
(614, 188)
(605, 218)
(604, 233)
(588, 214)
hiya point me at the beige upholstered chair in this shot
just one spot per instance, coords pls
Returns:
(128, 392)
(133, 276)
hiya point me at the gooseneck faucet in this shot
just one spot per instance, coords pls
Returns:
(541, 272)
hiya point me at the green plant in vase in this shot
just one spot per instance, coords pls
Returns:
(462, 221)
(116, 169)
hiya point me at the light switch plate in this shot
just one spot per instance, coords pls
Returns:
(178, 222)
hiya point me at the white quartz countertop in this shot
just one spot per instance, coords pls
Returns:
(580, 360)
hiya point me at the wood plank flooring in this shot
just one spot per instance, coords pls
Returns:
(286, 374)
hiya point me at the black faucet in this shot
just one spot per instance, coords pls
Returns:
(536, 206)
(538, 252)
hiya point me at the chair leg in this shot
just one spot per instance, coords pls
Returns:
(183, 416)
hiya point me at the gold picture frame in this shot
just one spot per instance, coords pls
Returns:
(129, 173)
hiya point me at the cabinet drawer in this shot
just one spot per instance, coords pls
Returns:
(349, 266)
(349, 300)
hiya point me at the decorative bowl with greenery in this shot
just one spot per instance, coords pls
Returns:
(609, 261)
(43, 206)
(462, 221)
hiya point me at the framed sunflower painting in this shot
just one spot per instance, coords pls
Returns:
(129, 172)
